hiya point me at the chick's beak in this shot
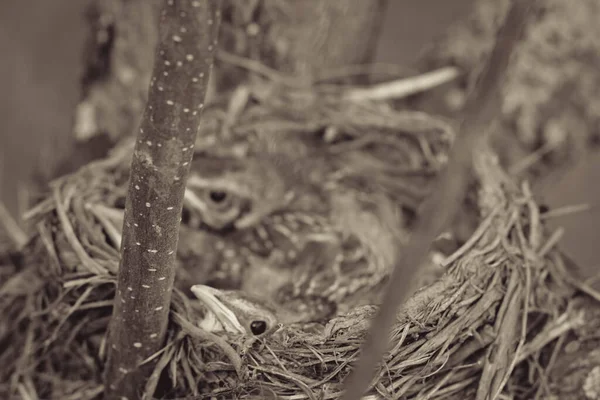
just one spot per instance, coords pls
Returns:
(218, 316)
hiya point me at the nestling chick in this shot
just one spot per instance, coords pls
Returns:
(234, 313)
(287, 230)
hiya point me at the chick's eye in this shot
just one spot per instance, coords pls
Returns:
(217, 196)
(258, 327)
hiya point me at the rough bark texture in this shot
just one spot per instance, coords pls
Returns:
(446, 199)
(159, 169)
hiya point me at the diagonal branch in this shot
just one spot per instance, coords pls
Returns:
(481, 109)
(159, 169)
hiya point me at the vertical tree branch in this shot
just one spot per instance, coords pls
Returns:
(481, 109)
(159, 169)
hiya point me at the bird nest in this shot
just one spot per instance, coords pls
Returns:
(483, 327)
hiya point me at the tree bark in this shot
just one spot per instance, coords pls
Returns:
(159, 169)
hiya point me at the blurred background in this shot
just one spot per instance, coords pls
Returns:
(42, 43)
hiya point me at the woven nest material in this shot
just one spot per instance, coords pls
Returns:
(478, 330)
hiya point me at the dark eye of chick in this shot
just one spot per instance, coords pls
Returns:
(258, 327)
(217, 196)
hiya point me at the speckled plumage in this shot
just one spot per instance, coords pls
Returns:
(312, 241)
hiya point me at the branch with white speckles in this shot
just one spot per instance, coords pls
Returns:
(159, 169)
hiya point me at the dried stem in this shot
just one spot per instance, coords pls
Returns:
(481, 109)
(159, 169)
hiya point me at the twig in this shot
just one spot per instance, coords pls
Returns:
(535, 232)
(566, 210)
(480, 110)
(371, 69)
(103, 214)
(161, 363)
(551, 242)
(194, 331)
(405, 87)
(523, 165)
(261, 69)
(566, 322)
(159, 169)
(481, 229)
(12, 228)
(70, 235)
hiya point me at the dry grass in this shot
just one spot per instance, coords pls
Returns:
(488, 326)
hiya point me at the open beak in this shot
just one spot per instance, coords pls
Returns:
(218, 316)
(194, 201)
